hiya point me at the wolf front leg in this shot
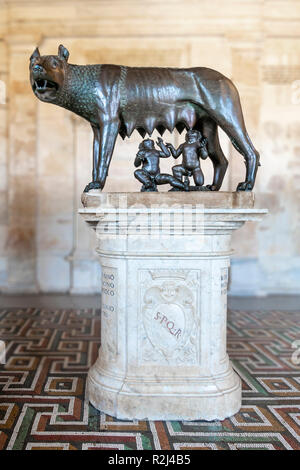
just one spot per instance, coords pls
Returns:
(104, 142)
(95, 184)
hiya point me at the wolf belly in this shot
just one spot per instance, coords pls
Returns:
(165, 99)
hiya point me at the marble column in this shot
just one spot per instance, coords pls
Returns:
(164, 259)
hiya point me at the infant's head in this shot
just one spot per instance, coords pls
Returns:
(192, 136)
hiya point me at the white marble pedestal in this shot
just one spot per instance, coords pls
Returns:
(164, 303)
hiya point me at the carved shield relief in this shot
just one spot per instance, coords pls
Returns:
(169, 316)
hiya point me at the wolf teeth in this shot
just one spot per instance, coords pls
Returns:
(41, 84)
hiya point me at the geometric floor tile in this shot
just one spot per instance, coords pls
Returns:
(43, 397)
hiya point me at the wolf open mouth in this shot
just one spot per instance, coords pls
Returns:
(41, 85)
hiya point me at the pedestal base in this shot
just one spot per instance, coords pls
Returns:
(164, 303)
(203, 398)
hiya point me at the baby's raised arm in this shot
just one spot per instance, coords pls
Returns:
(175, 152)
(165, 151)
(203, 149)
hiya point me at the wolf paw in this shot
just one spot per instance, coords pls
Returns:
(245, 186)
(211, 187)
(92, 185)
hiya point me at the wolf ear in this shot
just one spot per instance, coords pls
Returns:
(63, 53)
(35, 54)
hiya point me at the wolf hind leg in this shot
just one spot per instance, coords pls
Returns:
(223, 106)
(244, 146)
(234, 127)
(215, 153)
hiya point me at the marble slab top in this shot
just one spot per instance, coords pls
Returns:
(210, 199)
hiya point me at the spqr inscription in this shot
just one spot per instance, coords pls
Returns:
(168, 324)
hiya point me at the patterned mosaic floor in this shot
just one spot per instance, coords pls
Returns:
(43, 400)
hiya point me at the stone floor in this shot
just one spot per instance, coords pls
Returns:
(43, 395)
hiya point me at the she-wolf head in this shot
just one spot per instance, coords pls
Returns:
(47, 73)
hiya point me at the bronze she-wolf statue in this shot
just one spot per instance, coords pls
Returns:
(116, 100)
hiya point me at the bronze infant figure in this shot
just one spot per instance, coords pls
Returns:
(192, 150)
(148, 156)
(116, 99)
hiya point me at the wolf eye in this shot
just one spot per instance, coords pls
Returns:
(54, 64)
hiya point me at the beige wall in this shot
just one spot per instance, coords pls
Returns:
(45, 151)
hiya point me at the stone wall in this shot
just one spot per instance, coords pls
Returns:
(45, 151)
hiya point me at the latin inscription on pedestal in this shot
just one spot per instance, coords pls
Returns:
(109, 313)
(169, 313)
